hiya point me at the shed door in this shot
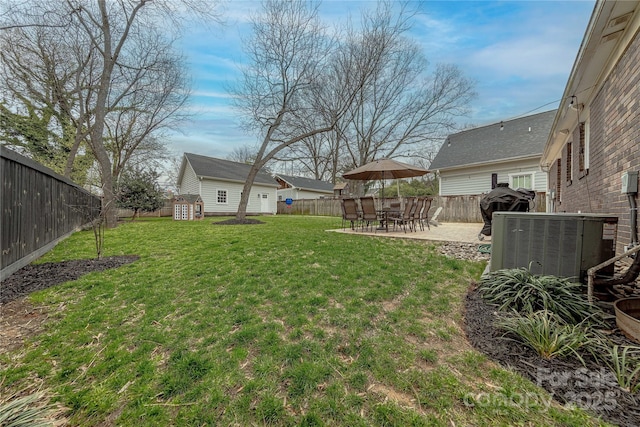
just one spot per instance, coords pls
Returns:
(264, 203)
(185, 212)
(176, 211)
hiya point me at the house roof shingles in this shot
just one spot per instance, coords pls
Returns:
(210, 167)
(520, 138)
(307, 183)
(189, 198)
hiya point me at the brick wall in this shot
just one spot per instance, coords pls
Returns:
(614, 147)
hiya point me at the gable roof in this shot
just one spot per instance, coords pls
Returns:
(340, 185)
(307, 183)
(225, 170)
(520, 138)
(189, 198)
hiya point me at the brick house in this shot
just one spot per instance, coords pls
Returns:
(595, 137)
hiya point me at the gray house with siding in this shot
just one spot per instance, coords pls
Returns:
(220, 183)
(473, 161)
(296, 187)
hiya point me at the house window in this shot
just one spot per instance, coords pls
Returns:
(568, 160)
(558, 179)
(222, 196)
(583, 152)
(521, 181)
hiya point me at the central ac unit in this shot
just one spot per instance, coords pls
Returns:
(563, 245)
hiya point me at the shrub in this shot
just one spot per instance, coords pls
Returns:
(520, 290)
(624, 362)
(545, 333)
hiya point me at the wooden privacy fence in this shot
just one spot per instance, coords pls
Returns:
(454, 208)
(165, 210)
(320, 207)
(39, 208)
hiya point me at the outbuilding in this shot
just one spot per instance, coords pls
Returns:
(188, 207)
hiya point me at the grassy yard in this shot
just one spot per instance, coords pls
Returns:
(281, 323)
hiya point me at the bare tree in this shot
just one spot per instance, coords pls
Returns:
(39, 99)
(243, 154)
(313, 156)
(125, 46)
(287, 51)
(402, 108)
(134, 132)
(292, 88)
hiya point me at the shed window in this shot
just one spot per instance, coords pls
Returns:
(222, 196)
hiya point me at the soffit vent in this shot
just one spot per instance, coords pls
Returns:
(620, 20)
(612, 36)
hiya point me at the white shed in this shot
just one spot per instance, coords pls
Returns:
(220, 183)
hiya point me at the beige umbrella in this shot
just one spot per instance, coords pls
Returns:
(384, 169)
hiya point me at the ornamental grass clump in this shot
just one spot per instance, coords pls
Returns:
(547, 334)
(624, 362)
(26, 411)
(521, 291)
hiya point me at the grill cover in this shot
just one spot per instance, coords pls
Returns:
(502, 198)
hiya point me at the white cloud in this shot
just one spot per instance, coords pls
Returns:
(520, 54)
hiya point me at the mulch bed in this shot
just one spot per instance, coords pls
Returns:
(234, 221)
(35, 277)
(591, 387)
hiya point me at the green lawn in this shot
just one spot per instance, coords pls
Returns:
(281, 323)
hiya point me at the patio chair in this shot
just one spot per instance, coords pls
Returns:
(415, 213)
(423, 216)
(404, 218)
(369, 213)
(350, 212)
(425, 212)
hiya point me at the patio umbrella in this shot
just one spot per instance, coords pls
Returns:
(384, 169)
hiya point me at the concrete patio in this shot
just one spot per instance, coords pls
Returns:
(446, 232)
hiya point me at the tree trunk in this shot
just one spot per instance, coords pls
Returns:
(241, 214)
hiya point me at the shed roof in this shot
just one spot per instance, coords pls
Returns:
(226, 170)
(519, 138)
(307, 183)
(189, 198)
(340, 185)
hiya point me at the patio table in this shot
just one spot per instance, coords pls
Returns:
(384, 214)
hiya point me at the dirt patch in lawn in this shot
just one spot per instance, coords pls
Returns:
(234, 221)
(592, 387)
(19, 319)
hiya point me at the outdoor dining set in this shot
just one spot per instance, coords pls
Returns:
(361, 213)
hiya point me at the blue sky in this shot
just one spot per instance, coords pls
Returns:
(519, 53)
